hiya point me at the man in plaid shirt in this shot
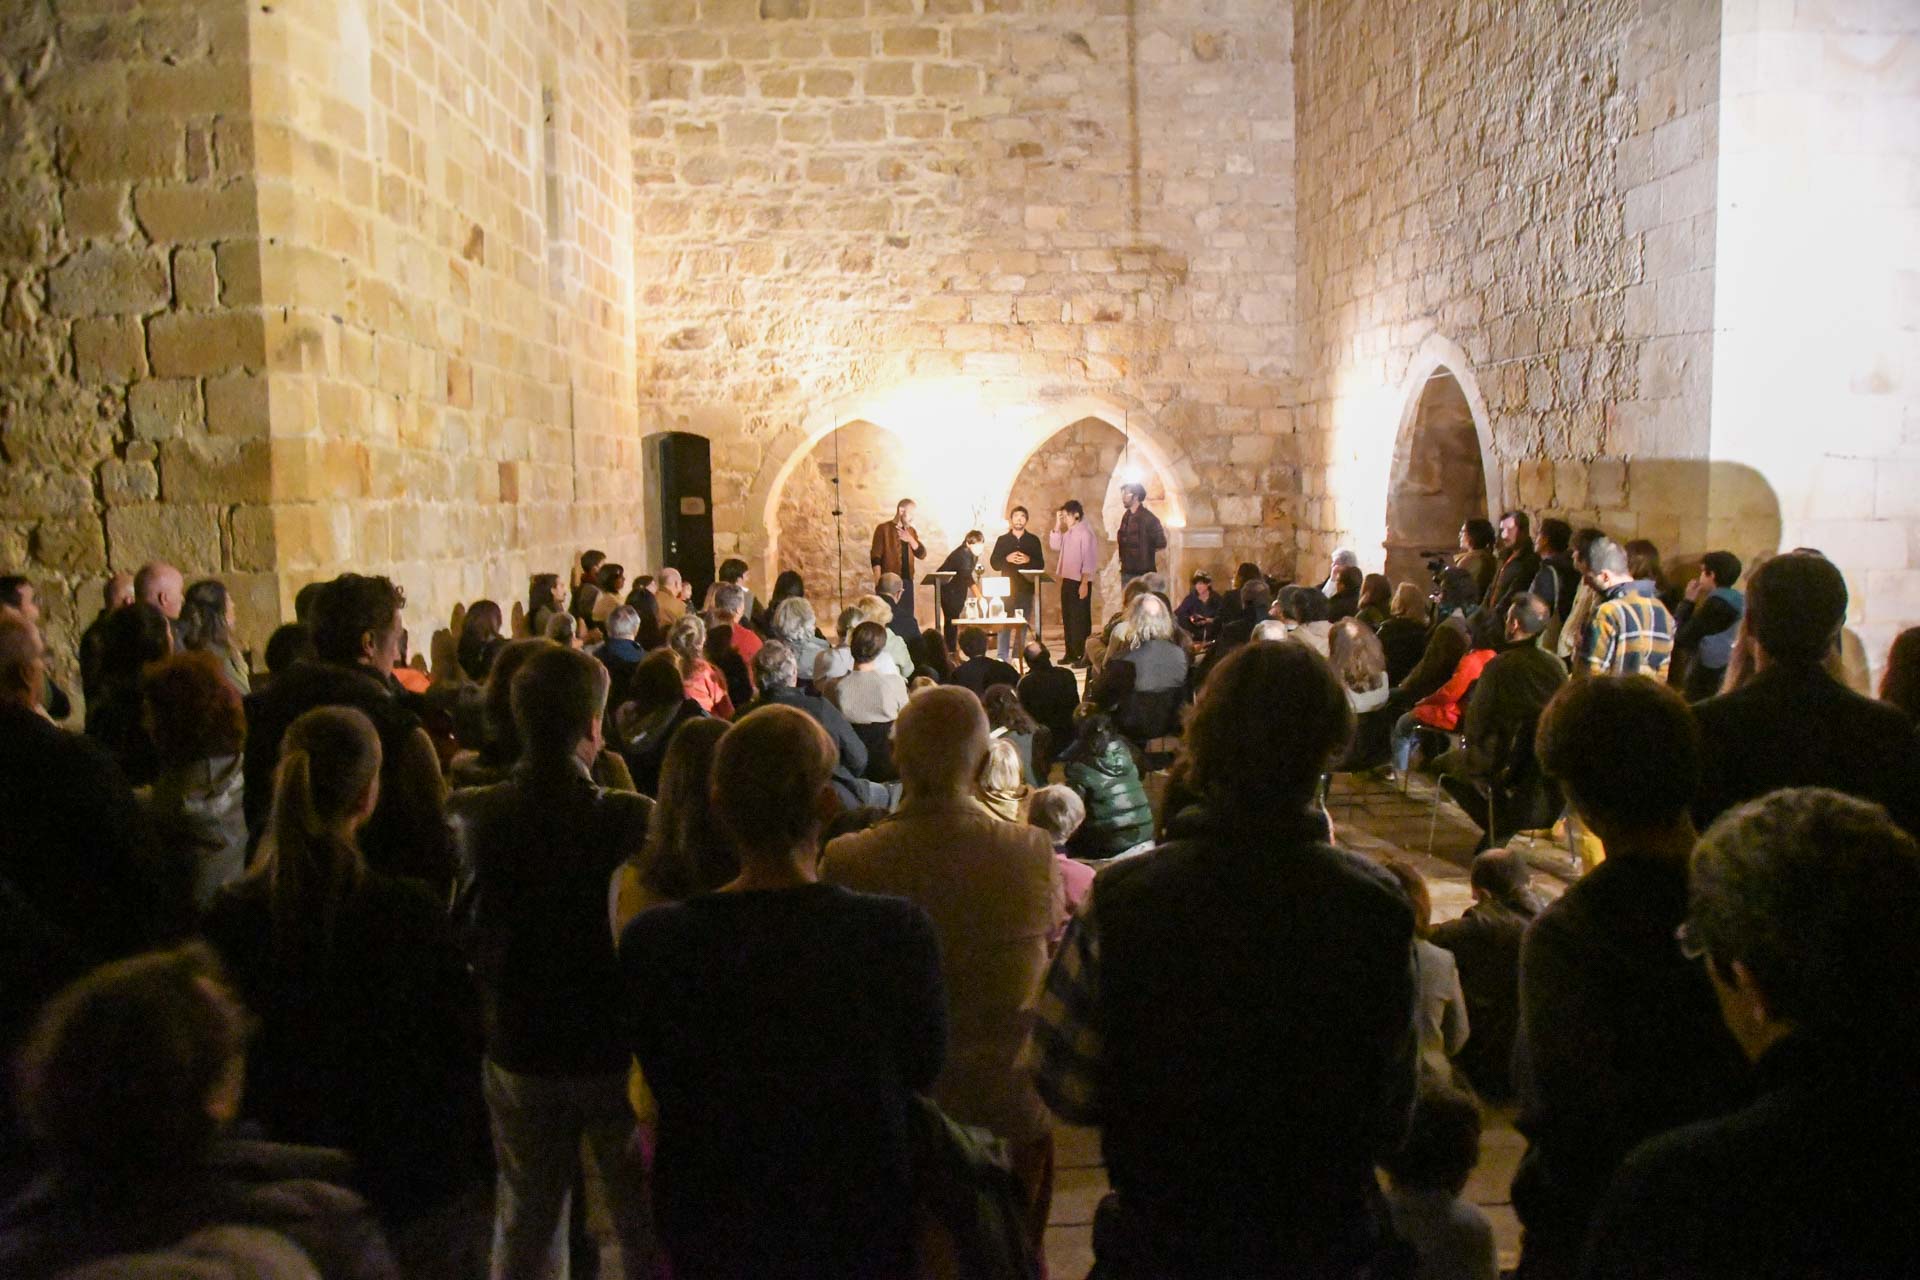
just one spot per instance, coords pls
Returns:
(1631, 632)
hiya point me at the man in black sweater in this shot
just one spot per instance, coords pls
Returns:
(536, 855)
(1050, 694)
(1620, 1038)
(1498, 780)
(1016, 550)
(979, 672)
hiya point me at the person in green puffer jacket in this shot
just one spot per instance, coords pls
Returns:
(1100, 768)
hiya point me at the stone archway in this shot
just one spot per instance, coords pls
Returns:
(1441, 472)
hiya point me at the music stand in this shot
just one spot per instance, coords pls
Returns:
(1037, 578)
(936, 580)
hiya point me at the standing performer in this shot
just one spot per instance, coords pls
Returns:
(1140, 536)
(1013, 551)
(896, 545)
(1073, 538)
(963, 562)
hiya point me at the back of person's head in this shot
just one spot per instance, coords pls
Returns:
(1247, 571)
(1409, 602)
(940, 739)
(1604, 555)
(646, 610)
(352, 612)
(1307, 605)
(687, 638)
(324, 786)
(686, 853)
(1500, 874)
(130, 639)
(1528, 614)
(732, 569)
(731, 599)
(1270, 630)
(193, 712)
(23, 663)
(1442, 1146)
(1005, 710)
(1643, 560)
(623, 623)
(1480, 534)
(973, 643)
(1458, 591)
(1148, 620)
(1058, 811)
(891, 585)
(788, 585)
(1002, 773)
(793, 620)
(1796, 606)
(771, 778)
(868, 643)
(1376, 592)
(1723, 565)
(203, 617)
(562, 629)
(303, 601)
(1269, 719)
(1900, 682)
(1256, 597)
(1348, 578)
(1415, 887)
(1625, 748)
(611, 577)
(655, 685)
(843, 625)
(590, 562)
(1355, 655)
(775, 666)
(290, 643)
(1815, 894)
(933, 653)
(558, 695)
(874, 609)
(503, 735)
(1583, 540)
(134, 1070)
(1037, 655)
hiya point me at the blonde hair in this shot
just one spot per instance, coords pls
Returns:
(1003, 779)
(1356, 655)
(1148, 619)
(686, 638)
(1409, 603)
(874, 609)
(329, 761)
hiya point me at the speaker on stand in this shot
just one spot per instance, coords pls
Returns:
(679, 505)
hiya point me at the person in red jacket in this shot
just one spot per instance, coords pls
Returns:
(1442, 709)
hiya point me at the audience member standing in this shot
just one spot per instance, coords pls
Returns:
(196, 804)
(1619, 1037)
(1706, 622)
(159, 584)
(1557, 582)
(1573, 628)
(686, 853)
(207, 624)
(1079, 564)
(1631, 632)
(994, 896)
(357, 635)
(1900, 680)
(545, 597)
(896, 545)
(1802, 910)
(116, 595)
(1485, 943)
(370, 1026)
(537, 854)
(135, 638)
(1791, 724)
(1140, 538)
(1235, 1011)
(784, 1026)
(1518, 563)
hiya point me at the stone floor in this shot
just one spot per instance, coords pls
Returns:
(1378, 819)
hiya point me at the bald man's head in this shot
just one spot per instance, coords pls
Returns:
(160, 585)
(118, 593)
(940, 740)
(23, 670)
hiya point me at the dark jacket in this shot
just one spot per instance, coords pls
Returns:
(374, 1049)
(1501, 718)
(1620, 1038)
(1514, 577)
(407, 835)
(644, 755)
(1139, 538)
(298, 1192)
(537, 853)
(962, 563)
(1404, 642)
(1485, 943)
(1005, 545)
(1556, 582)
(1050, 695)
(1199, 617)
(1447, 643)
(1256, 1008)
(1343, 604)
(115, 720)
(849, 773)
(1703, 635)
(982, 673)
(1817, 1177)
(1100, 767)
(619, 657)
(1799, 727)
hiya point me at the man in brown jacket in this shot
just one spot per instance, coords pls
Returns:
(896, 545)
(995, 897)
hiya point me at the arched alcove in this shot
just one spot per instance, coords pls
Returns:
(1438, 478)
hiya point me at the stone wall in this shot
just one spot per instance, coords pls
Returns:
(1040, 199)
(874, 477)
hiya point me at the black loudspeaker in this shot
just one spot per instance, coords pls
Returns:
(680, 505)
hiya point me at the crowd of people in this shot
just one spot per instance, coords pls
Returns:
(793, 944)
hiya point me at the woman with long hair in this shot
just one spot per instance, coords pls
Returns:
(612, 582)
(1361, 664)
(370, 1029)
(1900, 682)
(1002, 784)
(1009, 717)
(198, 728)
(788, 586)
(1376, 600)
(1403, 636)
(481, 639)
(545, 597)
(642, 600)
(134, 638)
(687, 642)
(207, 626)
(686, 853)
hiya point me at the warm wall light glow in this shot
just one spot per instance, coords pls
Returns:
(1366, 416)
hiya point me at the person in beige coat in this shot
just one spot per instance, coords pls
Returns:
(994, 894)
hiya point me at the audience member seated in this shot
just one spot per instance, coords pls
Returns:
(1496, 777)
(1519, 564)
(356, 639)
(1059, 811)
(730, 603)
(1441, 710)
(671, 593)
(567, 631)
(545, 597)
(1442, 1013)
(868, 694)
(1900, 681)
(586, 584)
(787, 585)
(195, 806)
(1235, 1011)
(1376, 600)
(207, 625)
(687, 642)
(621, 652)
(537, 853)
(686, 852)
(1485, 943)
(875, 609)
(777, 670)
(1357, 659)
(1199, 613)
(933, 659)
(978, 672)
(290, 643)
(733, 572)
(1403, 634)
(1802, 909)
(1008, 719)
(994, 897)
(1557, 582)
(1304, 610)
(657, 705)
(893, 588)
(651, 633)
(724, 658)
(115, 596)
(131, 1085)
(499, 750)
(1100, 768)
(369, 1026)
(1476, 557)
(1449, 1235)
(1791, 724)
(793, 621)
(784, 1027)
(1344, 601)
(481, 639)
(835, 662)
(135, 638)
(1448, 640)
(1619, 1036)
(1705, 624)
(1631, 632)
(1151, 706)
(611, 584)
(1050, 693)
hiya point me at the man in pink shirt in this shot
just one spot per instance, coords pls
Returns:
(1079, 562)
